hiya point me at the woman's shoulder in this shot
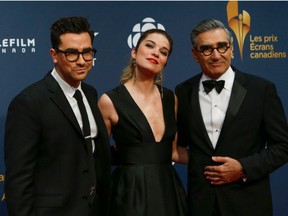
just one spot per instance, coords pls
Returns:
(166, 91)
(115, 91)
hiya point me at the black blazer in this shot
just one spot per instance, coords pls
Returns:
(46, 157)
(254, 132)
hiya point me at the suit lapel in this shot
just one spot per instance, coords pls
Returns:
(93, 102)
(237, 96)
(58, 97)
(195, 104)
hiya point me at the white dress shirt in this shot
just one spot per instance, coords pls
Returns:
(214, 106)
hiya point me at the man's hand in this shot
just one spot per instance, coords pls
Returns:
(229, 171)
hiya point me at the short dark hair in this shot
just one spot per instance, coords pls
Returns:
(75, 24)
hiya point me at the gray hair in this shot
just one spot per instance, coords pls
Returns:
(207, 25)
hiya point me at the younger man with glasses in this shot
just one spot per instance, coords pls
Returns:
(235, 129)
(51, 167)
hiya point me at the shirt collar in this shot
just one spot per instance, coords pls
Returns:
(66, 88)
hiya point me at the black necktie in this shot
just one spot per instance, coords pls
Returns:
(210, 84)
(85, 120)
(87, 134)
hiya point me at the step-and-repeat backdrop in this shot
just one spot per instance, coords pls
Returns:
(261, 48)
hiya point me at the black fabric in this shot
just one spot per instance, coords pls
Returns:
(145, 183)
(210, 84)
(48, 174)
(257, 137)
(87, 134)
(85, 120)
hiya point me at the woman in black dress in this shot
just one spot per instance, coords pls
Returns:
(140, 115)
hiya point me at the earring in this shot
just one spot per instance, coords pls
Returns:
(133, 70)
(161, 83)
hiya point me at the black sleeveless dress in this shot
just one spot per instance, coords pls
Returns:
(144, 183)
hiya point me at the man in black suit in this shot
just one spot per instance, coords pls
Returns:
(51, 168)
(236, 135)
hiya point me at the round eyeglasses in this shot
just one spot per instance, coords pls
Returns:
(73, 55)
(207, 51)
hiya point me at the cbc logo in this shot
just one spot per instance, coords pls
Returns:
(146, 24)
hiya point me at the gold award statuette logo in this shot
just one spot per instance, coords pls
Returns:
(239, 23)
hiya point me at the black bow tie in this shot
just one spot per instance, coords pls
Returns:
(210, 84)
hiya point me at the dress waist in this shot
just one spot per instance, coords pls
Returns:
(144, 153)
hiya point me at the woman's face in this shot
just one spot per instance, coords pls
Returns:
(152, 54)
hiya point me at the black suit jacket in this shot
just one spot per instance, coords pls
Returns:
(46, 157)
(254, 132)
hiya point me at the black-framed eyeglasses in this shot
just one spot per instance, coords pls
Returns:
(73, 55)
(208, 50)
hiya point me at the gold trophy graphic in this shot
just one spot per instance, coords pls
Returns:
(239, 23)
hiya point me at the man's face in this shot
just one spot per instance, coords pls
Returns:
(72, 72)
(215, 64)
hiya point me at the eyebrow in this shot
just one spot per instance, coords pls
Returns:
(76, 50)
(218, 44)
(164, 47)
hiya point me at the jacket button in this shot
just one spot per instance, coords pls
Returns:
(92, 190)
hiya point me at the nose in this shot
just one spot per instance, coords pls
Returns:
(215, 54)
(80, 59)
(156, 52)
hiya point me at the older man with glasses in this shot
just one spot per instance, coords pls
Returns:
(234, 127)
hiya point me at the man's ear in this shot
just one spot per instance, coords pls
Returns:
(194, 54)
(53, 55)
